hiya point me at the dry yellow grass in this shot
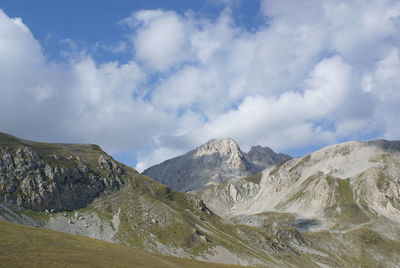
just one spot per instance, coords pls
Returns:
(23, 246)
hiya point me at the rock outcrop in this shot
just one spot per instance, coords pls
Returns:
(38, 179)
(215, 162)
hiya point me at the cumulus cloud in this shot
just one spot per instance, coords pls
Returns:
(159, 39)
(325, 89)
(314, 73)
(383, 83)
(296, 82)
(76, 101)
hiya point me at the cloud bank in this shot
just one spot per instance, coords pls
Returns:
(315, 73)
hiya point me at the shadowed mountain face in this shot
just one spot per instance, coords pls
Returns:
(215, 162)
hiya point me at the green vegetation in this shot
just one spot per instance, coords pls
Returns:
(151, 213)
(254, 178)
(280, 218)
(382, 181)
(345, 209)
(373, 248)
(302, 192)
(23, 246)
(39, 216)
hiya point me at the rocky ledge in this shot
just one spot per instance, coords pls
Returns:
(32, 182)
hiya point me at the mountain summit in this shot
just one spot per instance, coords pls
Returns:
(217, 161)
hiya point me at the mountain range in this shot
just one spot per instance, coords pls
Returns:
(214, 162)
(336, 207)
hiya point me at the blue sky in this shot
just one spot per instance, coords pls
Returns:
(91, 22)
(149, 80)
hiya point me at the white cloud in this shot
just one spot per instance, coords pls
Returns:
(384, 85)
(159, 155)
(271, 87)
(17, 45)
(160, 38)
(77, 101)
(315, 73)
(260, 119)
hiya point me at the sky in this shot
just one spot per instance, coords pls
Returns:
(150, 80)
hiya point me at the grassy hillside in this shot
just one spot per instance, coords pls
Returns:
(23, 246)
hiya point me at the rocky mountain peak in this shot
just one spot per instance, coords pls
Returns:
(222, 146)
(258, 149)
(217, 161)
(263, 157)
(258, 152)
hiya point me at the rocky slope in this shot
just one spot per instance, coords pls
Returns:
(215, 162)
(362, 175)
(42, 176)
(348, 194)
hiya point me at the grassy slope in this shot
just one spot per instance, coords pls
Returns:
(179, 215)
(23, 246)
(256, 178)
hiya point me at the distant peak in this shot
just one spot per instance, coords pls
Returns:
(223, 146)
(259, 148)
(221, 141)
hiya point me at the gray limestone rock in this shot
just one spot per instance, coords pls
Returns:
(215, 162)
(32, 179)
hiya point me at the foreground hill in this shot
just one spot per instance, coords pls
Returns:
(23, 246)
(215, 162)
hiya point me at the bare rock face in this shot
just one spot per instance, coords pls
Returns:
(227, 151)
(59, 182)
(344, 183)
(222, 198)
(263, 157)
(215, 162)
